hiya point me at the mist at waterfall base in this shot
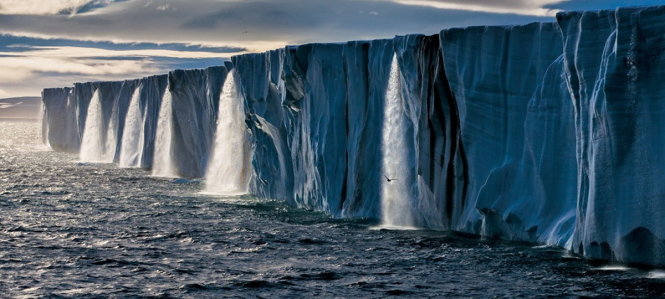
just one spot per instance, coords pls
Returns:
(70, 228)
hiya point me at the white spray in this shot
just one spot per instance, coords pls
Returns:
(162, 165)
(92, 143)
(133, 138)
(229, 169)
(395, 196)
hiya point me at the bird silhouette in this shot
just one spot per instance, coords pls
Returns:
(389, 179)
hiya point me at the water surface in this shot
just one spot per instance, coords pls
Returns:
(71, 229)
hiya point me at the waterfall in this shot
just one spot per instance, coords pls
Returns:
(111, 136)
(228, 170)
(92, 144)
(45, 127)
(395, 194)
(133, 137)
(162, 165)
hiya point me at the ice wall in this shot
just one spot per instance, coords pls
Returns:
(516, 131)
(60, 119)
(190, 116)
(264, 91)
(615, 65)
(546, 132)
(151, 93)
(66, 115)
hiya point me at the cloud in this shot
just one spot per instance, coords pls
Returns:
(41, 7)
(257, 25)
(165, 7)
(86, 39)
(520, 7)
(27, 71)
(20, 66)
(28, 63)
(9, 105)
(21, 43)
(599, 4)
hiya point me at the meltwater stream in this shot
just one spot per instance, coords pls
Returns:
(395, 196)
(70, 229)
(133, 139)
(93, 147)
(163, 164)
(227, 173)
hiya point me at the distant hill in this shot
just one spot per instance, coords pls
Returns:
(22, 108)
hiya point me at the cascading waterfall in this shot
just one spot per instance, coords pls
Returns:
(395, 197)
(228, 172)
(45, 128)
(133, 137)
(92, 144)
(163, 160)
(111, 138)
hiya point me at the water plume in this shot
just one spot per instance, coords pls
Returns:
(133, 137)
(162, 165)
(395, 196)
(93, 146)
(229, 168)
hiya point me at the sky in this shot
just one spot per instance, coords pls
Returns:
(53, 43)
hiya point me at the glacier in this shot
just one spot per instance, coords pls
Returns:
(544, 132)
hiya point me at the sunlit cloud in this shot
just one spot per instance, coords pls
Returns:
(20, 69)
(42, 7)
(20, 66)
(82, 52)
(530, 8)
(27, 71)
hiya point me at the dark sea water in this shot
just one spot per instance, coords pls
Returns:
(81, 230)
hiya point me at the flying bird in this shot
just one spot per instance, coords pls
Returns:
(389, 179)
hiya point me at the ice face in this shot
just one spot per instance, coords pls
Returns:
(60, 121)
(517, 138)
(546, 132)
(614, 68)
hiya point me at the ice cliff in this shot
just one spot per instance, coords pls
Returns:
(546, 132)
